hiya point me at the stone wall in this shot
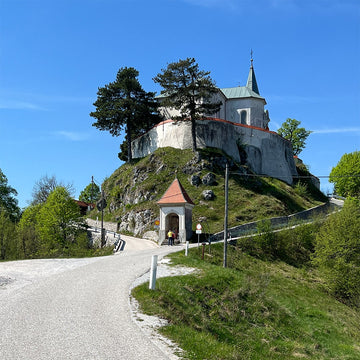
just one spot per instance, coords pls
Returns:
(96, 224)
(265, 152)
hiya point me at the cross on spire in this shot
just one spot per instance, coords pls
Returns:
(251, 81)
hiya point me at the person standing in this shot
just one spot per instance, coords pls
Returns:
(170, 238)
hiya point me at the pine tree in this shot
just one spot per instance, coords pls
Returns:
(124, 105)
(190, 90)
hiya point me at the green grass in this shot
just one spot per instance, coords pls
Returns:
(253, 309)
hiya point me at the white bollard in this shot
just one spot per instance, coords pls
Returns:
(186, 248)
(153, 272)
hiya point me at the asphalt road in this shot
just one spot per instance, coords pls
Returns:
(75, 308)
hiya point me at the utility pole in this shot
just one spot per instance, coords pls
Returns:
(102, 218)
(226, 214)
(92, 190)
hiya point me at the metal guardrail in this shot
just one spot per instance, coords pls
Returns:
(276, 222)
(118, 243)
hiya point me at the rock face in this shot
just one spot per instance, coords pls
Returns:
(209, 179)
(195, 180)
(135, 222)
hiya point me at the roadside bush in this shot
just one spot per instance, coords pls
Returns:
(264, 246)
(301, 189)
(294, 246)
(298, 244)
(337, 253)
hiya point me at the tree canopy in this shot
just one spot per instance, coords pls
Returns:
(346, 175)
(189, 90)
(124, 105)
(291, 131)
(90, 194)
(45, 186)
(59, 220)
(8, 203)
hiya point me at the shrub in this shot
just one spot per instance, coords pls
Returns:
(337, 253)
(8, 243)
(294, 246)
(301, 189)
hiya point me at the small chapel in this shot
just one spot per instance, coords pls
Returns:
(176, 212)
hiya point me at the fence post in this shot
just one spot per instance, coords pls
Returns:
(152, 282)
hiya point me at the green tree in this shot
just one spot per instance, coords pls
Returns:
(346, 175)
(189, 90)
(337, 252)
(8, 244)
(27, 232)
(291, 131)
(44, 186)
(8, 203)
(90, 194)
(59, 222)
(123, 104)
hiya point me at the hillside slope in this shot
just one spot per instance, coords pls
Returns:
(253, 309)
(133, 190)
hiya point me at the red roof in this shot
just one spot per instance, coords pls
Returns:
(84, 204)
(175, 194)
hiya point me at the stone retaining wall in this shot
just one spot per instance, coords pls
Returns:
(110, 226)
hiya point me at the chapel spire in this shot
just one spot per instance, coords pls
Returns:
(251, 81)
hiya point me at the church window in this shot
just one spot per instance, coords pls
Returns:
(243, 117)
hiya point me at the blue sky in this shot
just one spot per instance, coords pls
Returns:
(55, 54)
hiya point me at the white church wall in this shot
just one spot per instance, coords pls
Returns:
(267, 152)
(171, 113)
(253, 107)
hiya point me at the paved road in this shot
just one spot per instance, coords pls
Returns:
(75, 308)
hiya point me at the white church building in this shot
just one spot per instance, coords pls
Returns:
(239, 128)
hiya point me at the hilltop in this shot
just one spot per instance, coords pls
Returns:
(134, 188)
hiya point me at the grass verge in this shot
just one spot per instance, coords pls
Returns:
(253, 309)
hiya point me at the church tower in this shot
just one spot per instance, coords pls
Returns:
(251, 81)
(244, 105)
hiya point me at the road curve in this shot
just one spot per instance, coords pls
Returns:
(75, 308)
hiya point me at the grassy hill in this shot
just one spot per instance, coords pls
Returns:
(136, 187)
(256, 309)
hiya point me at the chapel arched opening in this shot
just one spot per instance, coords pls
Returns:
(172, 223)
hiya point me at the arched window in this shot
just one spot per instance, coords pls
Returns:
(243, 117)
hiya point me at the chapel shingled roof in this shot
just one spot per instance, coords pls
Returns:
(175, 194)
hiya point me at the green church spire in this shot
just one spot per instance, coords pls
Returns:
(251, 81)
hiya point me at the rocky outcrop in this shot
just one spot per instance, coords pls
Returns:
(136, 222)
(133, 189)
(208, 195)
(209, 179)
